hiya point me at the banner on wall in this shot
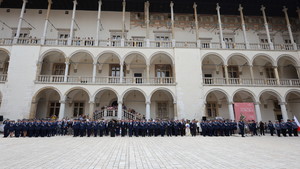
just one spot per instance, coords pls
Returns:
(244, 111)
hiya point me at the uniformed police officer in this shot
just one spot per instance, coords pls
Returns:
(283, 127)
(242, 127)
(6, 127)
(295, 128)
(278, 128)
(271, 127)
(289, 127)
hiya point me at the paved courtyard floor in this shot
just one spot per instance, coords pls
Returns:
(175, 152)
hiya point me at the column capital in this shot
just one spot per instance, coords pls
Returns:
(195, 5)
(174, 102)
(120, 102)
(148, 102)
(285, 9)
(100, 2)
(257, 103)
(263, 8)
(218, 7)
(282, 103)
(67, 62)
(124, 3)
(50, 2)
(38, 63)
(240, 8)
(171, 4)
(91, 102)
(62, 102)
(230, 103)
(95, 63)
(75, 2)
(147, 3)
(25, 1)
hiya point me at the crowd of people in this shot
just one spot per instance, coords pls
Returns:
(85, 127)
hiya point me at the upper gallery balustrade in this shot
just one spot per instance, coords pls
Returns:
(151, 30)
(152, 44)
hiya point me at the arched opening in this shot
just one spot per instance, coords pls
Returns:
(4, 63)
(293, 104)
(134, 103)
(238, 70)
(47, 104)
(77, 104)
(109, 68)
(161, 69)
(287, 68)
(270, 106)
(244, 106)
(213, 70)
(136, 69)
(106, 104)
(162, 105)
(263, 69)
(81, 68)
(243, 96)
(217, 105)
(52, 68)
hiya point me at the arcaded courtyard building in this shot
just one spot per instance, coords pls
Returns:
(149, 59)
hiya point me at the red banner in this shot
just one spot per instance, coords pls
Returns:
(244, 111)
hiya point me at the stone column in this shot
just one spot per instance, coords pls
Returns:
(174, 73)
(175, 111)
(72, 23)
(226, 74)
(289, 27)
(123, 24)
(277, 75)
(46, 23)
(172, 24)
(267, 27)
(148, 73)
(98, 23)
(231, 112)
(148, 113)
(147, 20)
(244, 27)
(66, 71)
(94, 71)
(62, 109)
(252, 74)
(120, 110)
(258, 112)
(91, 109)
(196, 25)
(283, 111)
(20, 22)
(220, 26)
(121, 73)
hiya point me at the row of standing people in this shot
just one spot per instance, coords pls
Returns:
(83, 127)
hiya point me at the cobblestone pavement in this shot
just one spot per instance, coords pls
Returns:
(167, 152)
